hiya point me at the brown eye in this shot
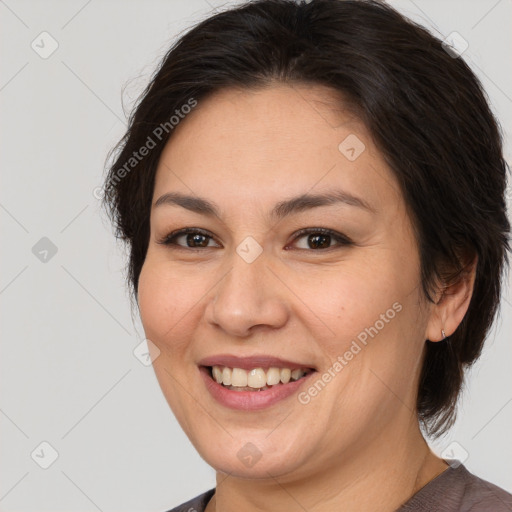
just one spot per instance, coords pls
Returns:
(321, 238)
(319, 241)
(188, 239)
(196, 238)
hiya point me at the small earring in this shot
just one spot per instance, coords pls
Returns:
(443, 334)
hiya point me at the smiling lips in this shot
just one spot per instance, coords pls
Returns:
(233, 380)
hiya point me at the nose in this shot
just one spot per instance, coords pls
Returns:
(250, 297)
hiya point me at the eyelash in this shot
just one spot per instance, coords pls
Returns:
(169, 240)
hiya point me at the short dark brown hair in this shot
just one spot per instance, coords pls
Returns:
(427, 114)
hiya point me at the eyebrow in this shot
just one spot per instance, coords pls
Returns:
(281, 209)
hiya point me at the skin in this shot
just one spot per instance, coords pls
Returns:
(356, 445)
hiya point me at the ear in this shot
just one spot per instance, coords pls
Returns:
(453, 302)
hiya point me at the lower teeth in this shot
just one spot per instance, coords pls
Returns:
(246, 388)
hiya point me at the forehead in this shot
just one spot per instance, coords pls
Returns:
(273, 141)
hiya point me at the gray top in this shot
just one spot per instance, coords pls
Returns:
(454, 490)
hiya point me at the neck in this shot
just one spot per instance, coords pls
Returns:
(381, 476)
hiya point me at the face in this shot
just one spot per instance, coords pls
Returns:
(266, 281)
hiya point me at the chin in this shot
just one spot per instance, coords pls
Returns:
(264, 468)
(254, 457)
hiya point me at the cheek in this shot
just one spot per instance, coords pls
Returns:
(385, 331)
(167, 312)
(373, 309)
(154, 301)
(370, 291)
(166, 302)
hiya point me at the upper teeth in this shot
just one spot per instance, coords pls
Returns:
(256, 378)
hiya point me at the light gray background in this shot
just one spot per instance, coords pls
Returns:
(68, 373)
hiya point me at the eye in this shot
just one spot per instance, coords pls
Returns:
(192, 238)
(321, 238)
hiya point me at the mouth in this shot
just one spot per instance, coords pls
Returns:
(255, 379)
(253, 383)
(250, 390)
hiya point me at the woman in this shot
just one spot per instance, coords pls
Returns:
(313, 198)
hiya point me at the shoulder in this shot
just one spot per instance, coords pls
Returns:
(482, 496)
(197, 504)
(458, 490)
